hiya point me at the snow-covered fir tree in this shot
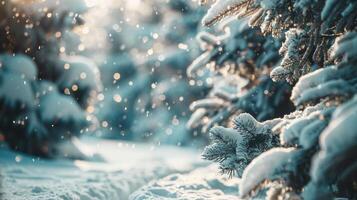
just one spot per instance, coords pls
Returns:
(45, 89)
(310, 152)
(237, 64)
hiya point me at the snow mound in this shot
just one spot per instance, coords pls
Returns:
(202, 183)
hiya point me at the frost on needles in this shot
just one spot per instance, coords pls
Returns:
(303, 153)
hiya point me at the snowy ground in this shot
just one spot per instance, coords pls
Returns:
(130, 171)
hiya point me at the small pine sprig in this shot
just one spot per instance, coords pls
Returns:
(235, 147)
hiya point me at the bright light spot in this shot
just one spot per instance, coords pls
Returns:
(100, 97)
(90, 109)
(150, 52)
(58, 34)
(74, 88)
(155, 35)
(183, 46)
(104, 124)
(117, 98)
(62, 49)
(83, 75)
(81, 47)
(192, 82)
(116, 76)
(67, 66)
(18, 158)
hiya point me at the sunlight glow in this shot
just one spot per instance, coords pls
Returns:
(92, 3)
(133, 4)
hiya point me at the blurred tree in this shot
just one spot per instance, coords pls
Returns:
(144, 72)
(45, 91)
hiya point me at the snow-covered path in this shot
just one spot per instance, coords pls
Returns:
(140, 171)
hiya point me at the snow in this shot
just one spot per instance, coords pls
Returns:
(310, 134)
(313, 79)
(19, 64)
(82, 71)
(55, 106)
(202, 183)
(341, 133)
(289, 50)
(258, 170)
(323, 82)
(330, 88)
(141, 171)
(336, 159)
(198, 63)
(207, 103)
(196, 117)
(222, 8)
(14, 91)
(292, 131)
(345, 44)
(279, 73)
(226, 134)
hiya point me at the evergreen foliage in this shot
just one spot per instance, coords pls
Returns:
(44, 89)
(309, 153)
(239, 63)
